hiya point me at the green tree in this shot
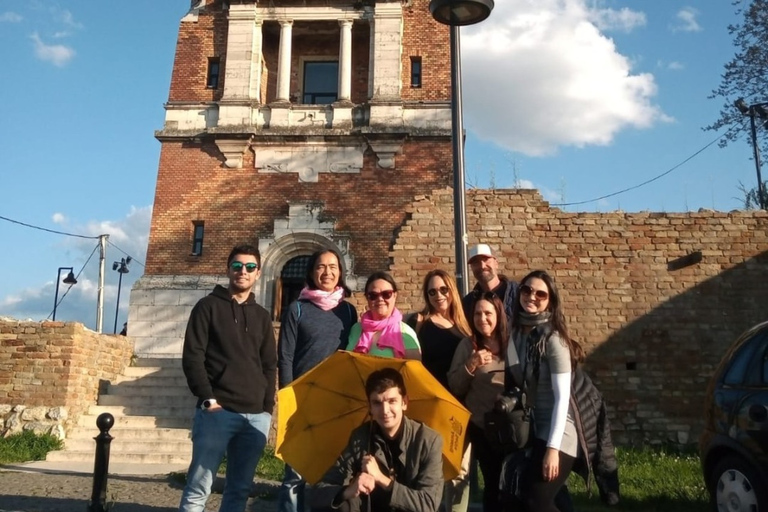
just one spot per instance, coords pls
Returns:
(746, 75)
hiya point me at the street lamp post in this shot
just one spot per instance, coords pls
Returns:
(457, 13)
(756, 109)
(122, 268)
(70, 279)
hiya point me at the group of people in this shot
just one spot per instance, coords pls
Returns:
(473, 345)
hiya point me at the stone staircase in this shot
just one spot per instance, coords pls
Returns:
(153, 410)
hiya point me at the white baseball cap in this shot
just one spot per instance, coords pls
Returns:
(480, 250)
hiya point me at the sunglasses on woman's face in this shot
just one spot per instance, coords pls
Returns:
(237, 266)
(539, 294)
(443, 290)
(386, 295)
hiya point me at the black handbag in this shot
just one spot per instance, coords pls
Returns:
(509, 425)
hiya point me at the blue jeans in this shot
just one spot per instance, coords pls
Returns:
(290, 497)
(242, 437)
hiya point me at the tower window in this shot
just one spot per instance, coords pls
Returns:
(197, 238)
(214, 66)
(416, 72)
(321, 82)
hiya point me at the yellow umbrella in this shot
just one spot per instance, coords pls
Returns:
(317, 413)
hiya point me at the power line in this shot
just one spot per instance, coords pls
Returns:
(640, 184)
(71, 285)
(48, 230)
(122, 251)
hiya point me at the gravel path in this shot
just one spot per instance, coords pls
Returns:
(69, 492)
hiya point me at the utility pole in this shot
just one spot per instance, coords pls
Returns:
(100, 300)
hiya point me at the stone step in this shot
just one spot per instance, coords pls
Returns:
(134, 401)
(137, 372)
(120, 445)
(125, 432)
(142, 388)
(159, 379)
(163, 362)
(123, 457)
(147, 423)
(180, 410)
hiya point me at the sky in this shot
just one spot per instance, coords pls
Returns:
(579, 99)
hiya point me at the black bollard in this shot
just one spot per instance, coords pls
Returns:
(98, 503)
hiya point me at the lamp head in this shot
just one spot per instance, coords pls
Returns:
(762, 111)
(70, 279)
(742, 106)
(115, 265)
(460, 12)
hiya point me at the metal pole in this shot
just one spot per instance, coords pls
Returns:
(56, 297)
(758, 164)
(457, 132)
(105, 421)
(119, 286)
(100, 299)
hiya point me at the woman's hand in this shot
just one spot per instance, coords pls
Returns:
(479, 358)
(551, 465)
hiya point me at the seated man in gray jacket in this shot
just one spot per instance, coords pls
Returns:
(392, 461)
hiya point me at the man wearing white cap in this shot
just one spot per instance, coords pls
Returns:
(485, 268)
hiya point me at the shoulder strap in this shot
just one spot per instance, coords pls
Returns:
(298, 311)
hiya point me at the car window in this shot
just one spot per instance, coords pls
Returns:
(736, 372)
(755, 375)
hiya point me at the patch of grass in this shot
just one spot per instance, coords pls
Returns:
(27, 446)
(269, 468)
(651, 479)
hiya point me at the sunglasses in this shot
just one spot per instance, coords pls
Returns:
(386, 295)
(443, 290)
(539, 294)
(237, 266)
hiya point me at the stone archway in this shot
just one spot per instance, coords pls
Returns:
(275, 254)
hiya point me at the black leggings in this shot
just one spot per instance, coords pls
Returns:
(490, 465)
(540, 496)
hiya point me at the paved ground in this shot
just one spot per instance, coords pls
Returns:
(39, 487)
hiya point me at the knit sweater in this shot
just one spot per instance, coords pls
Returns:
(308, 334)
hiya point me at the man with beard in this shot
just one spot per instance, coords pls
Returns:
(230, 361)
(485, 268)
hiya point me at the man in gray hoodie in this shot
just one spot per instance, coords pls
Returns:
(230, 362)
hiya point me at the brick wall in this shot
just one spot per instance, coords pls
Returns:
(56, 365)
(241, 205)
(653, 333)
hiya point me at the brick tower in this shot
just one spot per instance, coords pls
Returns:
(293, 125)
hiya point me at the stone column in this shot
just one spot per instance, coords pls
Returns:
(345, 61)
(284, 62)
(387, 38)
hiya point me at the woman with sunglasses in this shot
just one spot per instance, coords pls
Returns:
(313, 327)
(541, 339)
(381, 330)
(477, 378)
(441, 325)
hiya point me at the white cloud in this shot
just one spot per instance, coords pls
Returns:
(10, 17)
(623, 20)
(686, 20)
(539, 75)
(68, 19)
(675, 66)
(59, 55)
(130, 234)
(59, 218)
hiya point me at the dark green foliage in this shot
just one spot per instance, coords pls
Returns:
(27, 446)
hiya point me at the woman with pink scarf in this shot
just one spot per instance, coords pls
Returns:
(313, 327)
(381, 331)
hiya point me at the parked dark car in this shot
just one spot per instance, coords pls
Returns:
(734, 444)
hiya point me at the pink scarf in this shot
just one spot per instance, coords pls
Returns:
(391, 334)
(324, 300)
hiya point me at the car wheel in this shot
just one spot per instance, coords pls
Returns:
(737, 487)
